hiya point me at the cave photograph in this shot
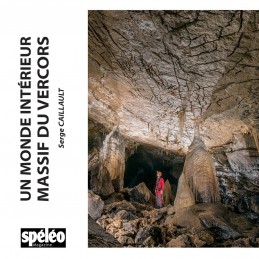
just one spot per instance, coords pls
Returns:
(173, 128)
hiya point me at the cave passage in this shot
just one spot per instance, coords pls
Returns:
(143, 164)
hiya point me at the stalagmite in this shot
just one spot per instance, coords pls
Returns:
(198, 182)
(167, 195)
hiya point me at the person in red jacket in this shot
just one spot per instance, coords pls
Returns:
(160, 185)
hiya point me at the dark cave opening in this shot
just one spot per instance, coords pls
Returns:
(143, 164)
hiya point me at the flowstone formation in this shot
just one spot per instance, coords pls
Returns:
(108, 176)
(198, 182)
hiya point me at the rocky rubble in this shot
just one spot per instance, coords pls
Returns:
(136, 224)
(98, 237)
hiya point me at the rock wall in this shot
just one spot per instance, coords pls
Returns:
(108, 176)
(237, 170)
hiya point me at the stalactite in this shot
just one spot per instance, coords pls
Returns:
(182, 117)
(167, 136)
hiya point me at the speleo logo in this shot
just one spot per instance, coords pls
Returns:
(43, 237)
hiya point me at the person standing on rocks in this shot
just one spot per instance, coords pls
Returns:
(160, 185)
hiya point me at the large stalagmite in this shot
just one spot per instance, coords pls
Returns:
(108, 176)
(198, 182)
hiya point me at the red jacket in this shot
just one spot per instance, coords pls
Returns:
(160, 184)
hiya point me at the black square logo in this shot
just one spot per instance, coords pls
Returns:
(43, 237)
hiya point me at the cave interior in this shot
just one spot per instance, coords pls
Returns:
(175, 91)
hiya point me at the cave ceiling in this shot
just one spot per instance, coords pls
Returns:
(157, 73)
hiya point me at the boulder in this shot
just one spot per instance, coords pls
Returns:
(125, 240)
(117, 223)
(171, 231)
(213, 218)
(201, 238)
(122, 232)
(113, 208)
(218, 226)
(98, 237)
(140, 206)
(185, 218)
(144, 233)
(180, 241)
(154, 215)
(124, 215)
(114, 197)
(112, 229)
(95, 205)
(141, 194)
(149, 242)
(103, 221)
(131, 226)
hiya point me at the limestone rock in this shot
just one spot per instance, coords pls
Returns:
(167, 194)
(108, 176)
(103, 222)
(149, 242)
(212, 218)
(144, 233)
(198, 182)
(186, 218)
(155, 214)
(180, 241)
(124, 240)
(171, 210)
(141, 194)
(131, 226)
(213, 74)
(114, 207)
(201, 238)
(95, 205)
(184, 196)
(122, 232)
(124, 215)
(98, 237)
(101, 181)
(219, 226)
(114, 197)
